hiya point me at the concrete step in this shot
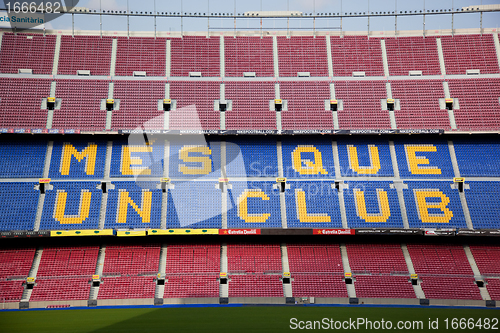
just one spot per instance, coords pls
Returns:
(477, 274)
(351, 290)
(223, 288)
(409, 263)
(57, 49)
(287, 288)
(32, 273)
(94, 291)
(160, 289)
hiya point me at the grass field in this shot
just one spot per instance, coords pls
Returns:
(240, 319)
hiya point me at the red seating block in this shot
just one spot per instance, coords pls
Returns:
(362, 107)
(318, 285)
(254, 258)
(356, 54)
(124, 287)
(141, 54)
(478, 102)
(91, 53)
(195, 105)
(406, 54)
(463, 52)
(487, 258)
(195, 54)
(250, 105)
(376, 258)
(255, 286)
(248, 54)
(20, 102)
(306, 105)
(81, 105)
(138, 105)
(302, 54)
(309, 258)
(34, 51)
(191, 286)
(419, 101)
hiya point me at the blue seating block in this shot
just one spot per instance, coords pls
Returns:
(73, 215)
(478, 158)
(306, 165)
(375, 215)
(194, 204)
(143, 160)
(438, 160)
(18, 208)
(204, 163)
(133, 218)
(22, 158)
(67, 151)
(321, 209)
(251, 157)
(415, 220)
(348, 167)
(483, 200)
(263, 208)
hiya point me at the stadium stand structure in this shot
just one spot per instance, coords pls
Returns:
(251, 157)
(302, 54)
(192, 270)
(151, 58)
(194, 105)
(486, 161)
(306, 105)
(129, 272)
(19, 205)
(65, 274)
(77, 159)
(465, 52)
(361, 105)
(316, 270)
(85, 53)
(250, 105)
(254, 270)
(81, 104)
(14, 268)
(291, 188)
(195, 54)
(380, 270)
(71, 205)
(21, 102)
(248, 55)
(480, 195)
(21, 158)
(356, 54)
(478, 103)
(371, 186)
(445, 271)
(138, 105)
(405, 54)
(419, 104)
(27, 51)
(133, 205)
(253, 204)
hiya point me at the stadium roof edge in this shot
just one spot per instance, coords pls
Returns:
(310, 32)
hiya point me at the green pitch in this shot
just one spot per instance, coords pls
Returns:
(248, 319)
